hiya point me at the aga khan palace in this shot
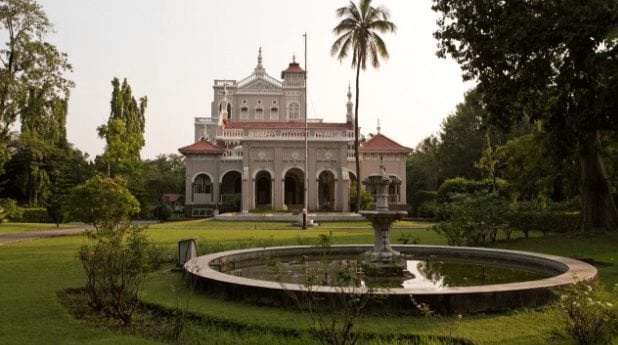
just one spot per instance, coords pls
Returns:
(250, 153)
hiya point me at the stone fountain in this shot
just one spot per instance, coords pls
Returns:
(218, 272)
(382, 259)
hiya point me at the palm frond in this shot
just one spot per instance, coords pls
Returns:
(383, 26)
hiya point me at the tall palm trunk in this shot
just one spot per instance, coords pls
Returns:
(598, 207)
(356, 144)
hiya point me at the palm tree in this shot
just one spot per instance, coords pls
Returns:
(358, 32)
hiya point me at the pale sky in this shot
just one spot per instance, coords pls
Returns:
(171, 51)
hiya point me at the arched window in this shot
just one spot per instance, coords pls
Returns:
(202, 184)
(259, 113)
(293, 111)
(244, 113)
(274, 113)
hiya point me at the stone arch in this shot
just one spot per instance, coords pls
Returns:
(201, 173)
(326, 190)
(230, 193)
(269, 171)
(263, 196)
(294, 188)
(333, 171)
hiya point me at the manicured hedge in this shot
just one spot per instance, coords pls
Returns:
(35, 215)
(451, 188)
(545, 221)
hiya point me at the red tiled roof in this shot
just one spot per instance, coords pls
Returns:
(287, 124)
(202, 146)
(294, 67)
(381, 143)
(170, 197)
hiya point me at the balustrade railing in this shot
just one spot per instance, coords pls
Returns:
(286, 133)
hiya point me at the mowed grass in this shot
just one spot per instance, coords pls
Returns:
(31, 273)
(11, 228)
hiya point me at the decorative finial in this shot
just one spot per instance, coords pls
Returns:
(349, 115)
(260, 57)
(259, 69)
(294, 57)
(379, 126)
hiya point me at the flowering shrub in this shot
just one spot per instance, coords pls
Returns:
(591, 319)
(116, 263)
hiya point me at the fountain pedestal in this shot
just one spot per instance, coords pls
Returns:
(382, 260)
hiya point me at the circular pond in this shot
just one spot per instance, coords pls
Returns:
(448, 279)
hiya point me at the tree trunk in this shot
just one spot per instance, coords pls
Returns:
(356, 144)
(598, 207)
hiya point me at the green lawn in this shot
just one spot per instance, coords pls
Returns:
(11, 228)
(31, 274)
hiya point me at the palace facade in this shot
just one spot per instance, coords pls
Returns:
(250, 154)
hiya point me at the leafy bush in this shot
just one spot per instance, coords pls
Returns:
(423, 204)
(13, 212)
(472, 220)
(162, 212)
(35, 215)
(102, 202)
(451, 188)
(116, 263)
(366, 199)
(233, 204)
(590, 317)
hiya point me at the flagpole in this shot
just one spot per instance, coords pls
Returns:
(306, 194)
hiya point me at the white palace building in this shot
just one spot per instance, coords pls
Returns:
(250, 154)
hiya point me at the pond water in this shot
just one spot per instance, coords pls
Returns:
(343, 271)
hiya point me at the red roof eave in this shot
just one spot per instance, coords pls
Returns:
(382, 144)
(202, 146)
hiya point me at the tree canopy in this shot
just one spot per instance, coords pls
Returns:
(549, 61)
(124, 131)
(32, 82)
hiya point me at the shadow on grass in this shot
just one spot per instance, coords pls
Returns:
(155, 322)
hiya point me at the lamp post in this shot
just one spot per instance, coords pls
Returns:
(306, 194)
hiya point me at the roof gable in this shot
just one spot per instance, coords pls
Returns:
(381, 143)
(260, 84)
(202, 146)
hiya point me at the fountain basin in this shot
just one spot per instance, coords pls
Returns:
(209, 270)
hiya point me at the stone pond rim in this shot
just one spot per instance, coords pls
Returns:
(561, 272)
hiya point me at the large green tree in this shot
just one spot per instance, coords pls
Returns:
(32, 81)
(548, 60)
(462, 139)
(124, 131)
(358, 33)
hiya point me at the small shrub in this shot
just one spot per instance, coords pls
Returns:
(13, 212)
(233, 204)
(116, 263)
(365, 202)
(472, 220)
(589, 316)
(162, 212)
(35, 215)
